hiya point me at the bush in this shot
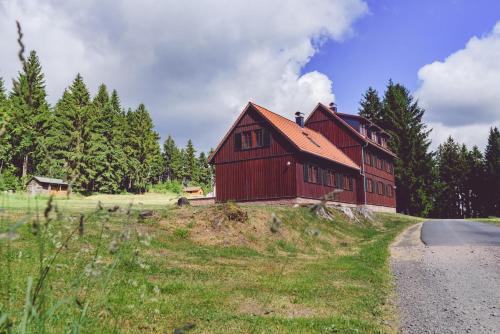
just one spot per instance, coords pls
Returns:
(166, 187)
(181, 233)
(8, 181)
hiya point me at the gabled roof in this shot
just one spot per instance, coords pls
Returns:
(350, 128)
(365, 120)
(42, 179)
(304, 139)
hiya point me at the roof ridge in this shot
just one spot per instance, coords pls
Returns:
(272, 112)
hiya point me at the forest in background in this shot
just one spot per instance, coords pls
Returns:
(452, 182)
(97, 145)
(92, 142)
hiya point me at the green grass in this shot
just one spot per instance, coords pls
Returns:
(183, 269)
(489, 220)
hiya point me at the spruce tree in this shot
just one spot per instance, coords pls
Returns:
(71, 137)
(191, 162)
(170, 153)
(475, 182)
(143, 150)
(402, 118)
(448, 161)
(492, 169)
(30, 120)
(204, 172)
(5, 141)
(371, 106)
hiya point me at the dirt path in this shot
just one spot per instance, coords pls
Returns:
(452, 288)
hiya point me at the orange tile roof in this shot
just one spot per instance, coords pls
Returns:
(305, 139)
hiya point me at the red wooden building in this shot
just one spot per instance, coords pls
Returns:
(265, 157)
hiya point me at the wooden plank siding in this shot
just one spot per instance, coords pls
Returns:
(317, 190)
(257, 173)
(256, 179)
(251, 121)
(353, 147)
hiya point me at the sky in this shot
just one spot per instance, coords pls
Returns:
(195, 64)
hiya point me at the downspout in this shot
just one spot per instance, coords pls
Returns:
(362, 171)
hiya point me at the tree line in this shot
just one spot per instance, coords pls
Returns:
(93, 143)
(453, 181)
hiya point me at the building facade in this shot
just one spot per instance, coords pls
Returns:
(46, 186)
(265, 157)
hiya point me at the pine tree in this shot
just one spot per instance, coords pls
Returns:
(143, 150)
(475, 182)
(31, 117)
(204, 172)
(191, 162)
(5, 141)
(402, 118)
(371, 106)
(492, 169)
(71, 136)
(170, 153)
(448, 161)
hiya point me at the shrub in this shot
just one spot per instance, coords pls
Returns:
(166, 187)
(180, 233)
(8, 181)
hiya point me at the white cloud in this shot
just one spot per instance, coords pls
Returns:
(461, 93)
(194, 64)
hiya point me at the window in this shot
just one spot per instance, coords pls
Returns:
(329, 176)
(369, 186)
(380, 188)
(362, 129)
(252, 139)
(367, 158)
(383, 142)
(312, 174)
(379, 163)
(372, 160)
(237, 141)
(348, 183)
(246, 140)
(339, 181)
(388, 191)
(259, 138)
(391, 168)
(383, 164)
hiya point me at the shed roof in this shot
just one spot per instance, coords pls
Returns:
(305, 139)
(43, 179)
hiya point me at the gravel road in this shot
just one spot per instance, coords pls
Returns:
(452, 283)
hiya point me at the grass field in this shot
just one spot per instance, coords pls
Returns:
(490, 220)
(202, 269)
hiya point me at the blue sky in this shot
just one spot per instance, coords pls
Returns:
(396, 39)
(196, 64)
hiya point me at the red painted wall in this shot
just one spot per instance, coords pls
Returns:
(314, 190)
(348, 142)
(256, 179)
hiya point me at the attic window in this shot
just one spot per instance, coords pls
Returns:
(310, 139)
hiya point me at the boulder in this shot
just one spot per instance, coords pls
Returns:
(182, 201)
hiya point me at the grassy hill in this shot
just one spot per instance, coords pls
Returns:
(219, 269)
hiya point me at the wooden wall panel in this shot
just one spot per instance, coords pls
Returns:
(256, 179)
(376, 199)
(250, 121)
(373, 170)
(313, 190)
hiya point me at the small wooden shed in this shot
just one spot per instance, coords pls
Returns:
(47, 186)
(195, 191)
